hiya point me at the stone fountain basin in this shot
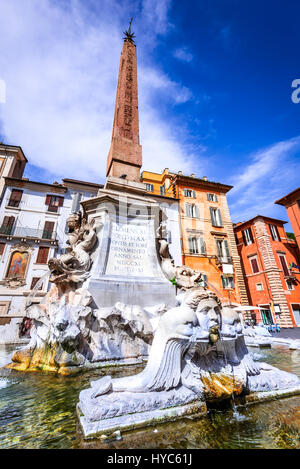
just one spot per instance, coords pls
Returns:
(193, 409)
(127, 411)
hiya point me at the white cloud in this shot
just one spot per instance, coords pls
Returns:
(183, 54)
(271, 174)
(60, 63)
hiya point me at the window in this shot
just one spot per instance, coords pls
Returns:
(296, 312)
(15, 198)
(48, 230)
(189, 193)
(284, 266)
(34, 281)
(196, 245)
(42, 256)
(223, 251)
(227, 282)
(193, 246)
(4, 307)
(149, 187)
(290, 285)
(247, 236)
(7, 225)
(76, 202)
(259, 287)
(191, 210)
(212, 197)
(274, 232)
(53, 202)
(254, 264)
(162, 190)
(2, 247)
(216, 218)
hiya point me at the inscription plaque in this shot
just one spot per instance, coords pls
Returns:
(129, 251)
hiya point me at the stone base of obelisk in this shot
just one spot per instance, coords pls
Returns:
(126, 265)
(145, 292)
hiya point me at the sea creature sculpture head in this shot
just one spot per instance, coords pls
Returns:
(73, 267)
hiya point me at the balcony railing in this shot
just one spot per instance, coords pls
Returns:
(25, 232)
(225, 260)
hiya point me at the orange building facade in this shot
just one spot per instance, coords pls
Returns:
(271, 267)
(206, 231)
(292, 204)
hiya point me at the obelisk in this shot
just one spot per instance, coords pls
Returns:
(125, 154)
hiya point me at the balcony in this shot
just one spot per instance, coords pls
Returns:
(25, 232)
(224, 260)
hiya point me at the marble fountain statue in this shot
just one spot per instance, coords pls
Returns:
(109, 289)
(198, 357)
(102, 310)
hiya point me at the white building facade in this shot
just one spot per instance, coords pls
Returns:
(33, 228)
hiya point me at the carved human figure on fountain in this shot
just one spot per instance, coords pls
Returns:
(182, 276)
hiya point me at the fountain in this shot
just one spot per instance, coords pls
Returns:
(198, 358)
(118, 299)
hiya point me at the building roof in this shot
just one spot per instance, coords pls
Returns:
(5, 147)
(275, 220)
(35, 185)
(288, 198)
(192, 180)
(68, 181)
(202, 182)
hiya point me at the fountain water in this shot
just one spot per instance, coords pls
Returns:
(36, 288)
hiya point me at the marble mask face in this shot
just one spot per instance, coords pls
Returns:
(208, 314)
(231, 323)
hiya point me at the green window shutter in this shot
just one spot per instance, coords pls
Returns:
(212, 216)
(220, 217)
(226, 248)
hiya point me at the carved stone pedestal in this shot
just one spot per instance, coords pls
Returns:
(126, 266)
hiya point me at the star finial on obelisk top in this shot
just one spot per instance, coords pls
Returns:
(128, 35)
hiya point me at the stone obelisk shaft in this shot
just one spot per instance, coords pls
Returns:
(125, 154)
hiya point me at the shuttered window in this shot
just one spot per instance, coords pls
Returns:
(34, 281)
(42, 256)
(274, 233)
(48, 230)
(2, 247)
(254, 265)
(212, 197)
(7, 225)
(227, 282)
(247, 236)
(223, 251)
(189, 193)
(15, 198)
(216, 218)
(284, 266)
(53, 202)
(193, 245)
(196, 245)
(191, 210)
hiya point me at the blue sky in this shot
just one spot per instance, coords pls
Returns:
(214, 90)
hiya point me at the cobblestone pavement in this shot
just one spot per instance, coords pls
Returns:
(293, 333)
